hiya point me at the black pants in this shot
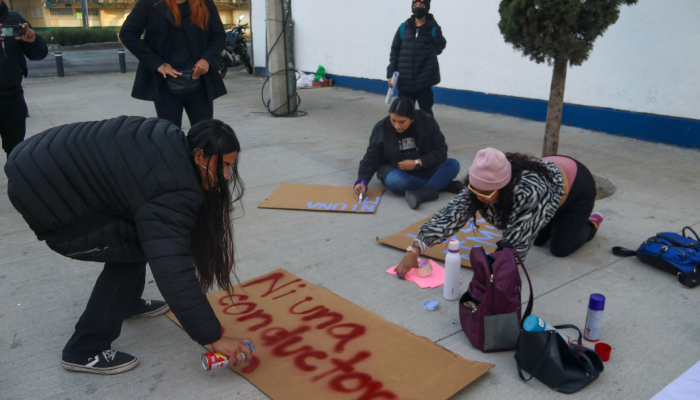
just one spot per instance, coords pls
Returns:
(13, 120)
(196, 104)
(424, 97)
(570, 228)
(117, 291)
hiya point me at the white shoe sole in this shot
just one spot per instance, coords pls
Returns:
(156, 312)
(101, 371)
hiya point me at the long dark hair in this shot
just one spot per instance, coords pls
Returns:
(503, 206)
(212, 235)
(404, 107)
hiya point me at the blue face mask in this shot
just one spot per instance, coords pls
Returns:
(419, 12)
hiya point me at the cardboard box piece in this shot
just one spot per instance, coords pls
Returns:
(311, 344)
(294, 196)
(486, 236)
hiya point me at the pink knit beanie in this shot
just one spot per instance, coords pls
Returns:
(490, 170)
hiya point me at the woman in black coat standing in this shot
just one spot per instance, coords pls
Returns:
(127, 192)
(182, 43)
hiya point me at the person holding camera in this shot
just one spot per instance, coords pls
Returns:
(18, 42)
(414, 52)
(181, 45)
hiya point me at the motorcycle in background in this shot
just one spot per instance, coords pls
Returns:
(236, 51)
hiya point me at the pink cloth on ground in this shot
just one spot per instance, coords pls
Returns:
(568, 165)
(436, 279)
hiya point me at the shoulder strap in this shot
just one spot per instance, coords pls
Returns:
(623, 252)
(402, 29)
(530, 302)
(694, 233)
(433, 32)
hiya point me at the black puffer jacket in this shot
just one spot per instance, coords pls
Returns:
(119, 190)
(415, 56)
(383, 146)
(13, 64)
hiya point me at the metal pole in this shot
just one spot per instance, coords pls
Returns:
(289, 57)
(122, 61)
(84, 10)
(276, 62)
(59, 64)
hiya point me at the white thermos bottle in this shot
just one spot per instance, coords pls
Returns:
(453, 265)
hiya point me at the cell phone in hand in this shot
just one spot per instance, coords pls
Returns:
(11, 31)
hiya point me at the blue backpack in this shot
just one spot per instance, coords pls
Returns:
(670, 252)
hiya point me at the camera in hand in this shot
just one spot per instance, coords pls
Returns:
(11, 31)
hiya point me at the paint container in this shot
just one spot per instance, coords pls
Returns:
(430, 305)
(535, 324)
(424, 269)
(216, 360)
(594, 319)
(453, 265)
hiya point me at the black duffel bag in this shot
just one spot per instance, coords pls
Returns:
(563, 367)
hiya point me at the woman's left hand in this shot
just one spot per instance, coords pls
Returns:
(407, 165)
(201, 68)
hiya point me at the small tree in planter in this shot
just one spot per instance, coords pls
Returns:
(559, 32)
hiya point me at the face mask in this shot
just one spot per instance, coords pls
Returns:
(419, 12)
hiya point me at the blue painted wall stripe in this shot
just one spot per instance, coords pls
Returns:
(682, 132)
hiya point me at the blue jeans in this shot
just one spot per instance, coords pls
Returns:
(439, 176)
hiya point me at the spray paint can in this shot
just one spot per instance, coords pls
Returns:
(453, 265)
(535, 324)
(214, 360)
(594, 319)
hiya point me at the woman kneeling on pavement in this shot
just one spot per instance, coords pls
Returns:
(408, 153)
(529, 200)
(130, 191)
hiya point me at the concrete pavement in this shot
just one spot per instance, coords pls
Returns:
(650, 320)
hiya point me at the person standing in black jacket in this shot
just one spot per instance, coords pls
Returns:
(182, 43)
(408, 153)
(130, 191)
(414, 52)
(13, 66)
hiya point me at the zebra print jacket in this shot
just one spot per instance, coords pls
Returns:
(536, 202)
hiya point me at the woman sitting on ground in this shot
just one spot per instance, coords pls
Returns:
(408, 153)
(530, 200)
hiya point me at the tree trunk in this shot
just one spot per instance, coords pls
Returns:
(554, 109)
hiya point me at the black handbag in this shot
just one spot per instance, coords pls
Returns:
(563, 367)
(183, 84)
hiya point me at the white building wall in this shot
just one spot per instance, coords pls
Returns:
(647, 62)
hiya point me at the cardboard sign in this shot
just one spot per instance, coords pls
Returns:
(311, 344)
(294, 196)
(487, 236)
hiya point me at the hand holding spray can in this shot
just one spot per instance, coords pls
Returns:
(213, 360)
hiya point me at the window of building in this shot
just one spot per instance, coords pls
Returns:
(60, 12)
(37, 12)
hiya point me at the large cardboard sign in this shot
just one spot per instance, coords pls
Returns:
(486, 236)
(311, 344)
(294, 196)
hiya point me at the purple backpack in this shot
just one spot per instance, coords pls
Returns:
(490, 311)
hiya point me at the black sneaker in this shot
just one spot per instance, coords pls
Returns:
(109, 362)
(150, 308)
(454, 187)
